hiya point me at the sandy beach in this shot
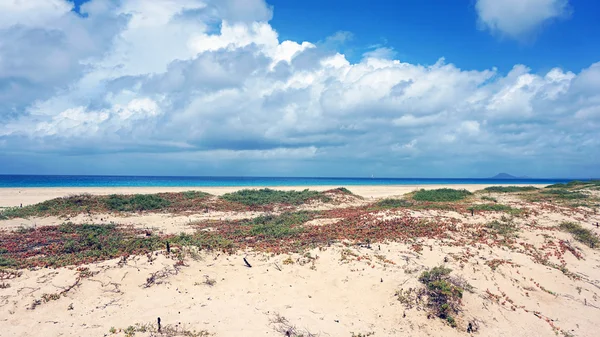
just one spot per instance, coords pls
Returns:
(541, 282)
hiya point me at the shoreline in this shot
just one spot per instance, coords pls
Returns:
(15, 196)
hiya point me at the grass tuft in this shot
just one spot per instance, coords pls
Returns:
(576, 183)
(494, 208)
(443, 293)
(278, 226)
(442, 194)
(505, 227)
(580, 234)
(267, 196)
(137, 202)
(510, 189)
(393, 203)
(195, 194)
(564, 194)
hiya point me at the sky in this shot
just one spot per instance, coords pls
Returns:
(414, 88)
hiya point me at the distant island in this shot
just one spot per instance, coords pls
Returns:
(507, 176)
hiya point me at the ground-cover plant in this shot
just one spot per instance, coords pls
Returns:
(442, 194)
(485, 197)
(510, 189)
(58, 206)
(195, 194)
(393, 203)
(70, 244)
(505, 227)
(443, 293)
(564, 194)
(279, 226)
(494, 208)
(267, 196)
(581, 234)
(341, 190)
(86, 203)
(137, 202)
(576, 184)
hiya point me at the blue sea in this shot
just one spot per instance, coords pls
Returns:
(164, 181)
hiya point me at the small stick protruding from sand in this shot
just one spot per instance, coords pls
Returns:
(159, 324)
(247, 264)
(168, 248)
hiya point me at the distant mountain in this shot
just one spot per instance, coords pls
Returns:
(508, 176)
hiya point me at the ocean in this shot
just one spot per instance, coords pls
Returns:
(164, 181)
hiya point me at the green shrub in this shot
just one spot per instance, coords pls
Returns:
(343, 190)
(489, 199)
(576, 183)
(580, 234)
(493, 208)
(510, 189)
(442, 194)
(435, 274)
(564, 194)
(268, 196)
(202, 240)
(279, 226)
(443, 293)
(195, 195)
(393, 203)
(505, 227)
(7, 262)
(137, 202)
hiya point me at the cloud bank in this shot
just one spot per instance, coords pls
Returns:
(207, 87)
(519, 18)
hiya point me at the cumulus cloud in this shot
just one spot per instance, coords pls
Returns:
(519, 18)
(212, 89)
(381, 53)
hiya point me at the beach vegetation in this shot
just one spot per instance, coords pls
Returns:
(266, 196)
(278, 226)
(494, 208)
(576, 184)
(167, 330)
(444, 294)
(564, 194)
(583, 235)
(341, 190)
(137, 202)
(69, 244)
(195, 194)
(487, 198)
(87, 203)
(504, 226)
(393, 203)
(510, 189)
(441, 195)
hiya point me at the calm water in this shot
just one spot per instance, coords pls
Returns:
(134, 181)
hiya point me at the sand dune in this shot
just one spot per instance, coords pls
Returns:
(342, 289)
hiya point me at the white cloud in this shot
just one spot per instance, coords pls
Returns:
(519, 18)
(32, 13)
(386, 53)
(218, 84)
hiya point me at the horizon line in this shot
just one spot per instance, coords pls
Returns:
(290, 177)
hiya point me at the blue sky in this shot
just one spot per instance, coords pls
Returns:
(300, 88)
(423, 31)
